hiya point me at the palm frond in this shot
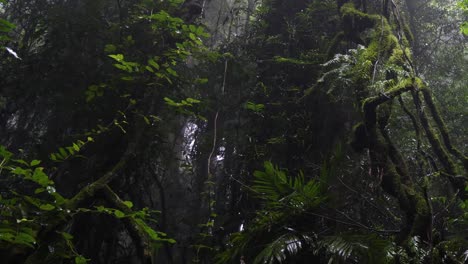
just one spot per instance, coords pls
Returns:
(357, 248)
(279, 190)
(282, 247)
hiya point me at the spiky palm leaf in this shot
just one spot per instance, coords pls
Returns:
(356, 248)
(280, 191)
(282, 247)
(272, 232)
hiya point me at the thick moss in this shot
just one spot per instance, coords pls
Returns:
(382, 47)
(443, 128)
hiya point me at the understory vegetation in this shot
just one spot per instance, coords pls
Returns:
(233, 131)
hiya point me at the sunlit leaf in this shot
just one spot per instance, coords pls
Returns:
(47, 207)
(129, 204)
(119, 214)
(35, 163)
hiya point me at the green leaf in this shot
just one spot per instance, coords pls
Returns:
(80, 260)
(201, 80)
(47, 207)
(5, 153)
(6, 26)
(66, 235)
(20, 161)
(129, 204)
(154, 64)
(35, 163)
(39, 190)
(192, 36)
(26, 239)
(148, 68)
(119, 214)
(76, 147)
(109, 48)
(257, 108)
(59, 199)
(20, 171)
(192, 101)
(464, 28)
(171, 241)
(172, 72)
(63, 152)
(117, 57)
(127, 78)
(123, 67)
(147, 121)
(40, 177)
(101, 209)
(170, 102)
(71, 150)
(148, 230)
(6, 235)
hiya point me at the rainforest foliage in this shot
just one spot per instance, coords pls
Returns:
(246, 131)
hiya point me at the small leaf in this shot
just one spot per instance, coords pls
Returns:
(127, 78)
(192, 36)
(154, 64)
(63, 152)
(129, 204)
(20, 171)
(192, 101)
(25, 239)
(35, 162)
(201, 80)
(172, 72)
(148, 68)
(47, 207)
(119, 214)
(80, 260)
(66, 235)
(109, 48)
(5, 153)
(171, 241)
(76, 147)
(39, 190)
(40, 177)
(117, 57)
(147, 121)
(21, 162)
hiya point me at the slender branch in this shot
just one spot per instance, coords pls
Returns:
(90, 190)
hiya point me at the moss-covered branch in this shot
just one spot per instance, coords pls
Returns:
(138, 235)
(390, 94)
(90, 190)
(449, 166)
(387, 164)
(50, 235)
(443, 128)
